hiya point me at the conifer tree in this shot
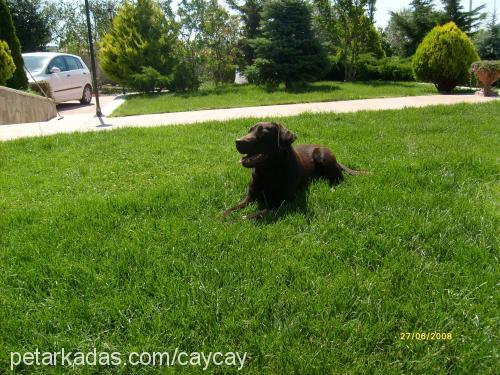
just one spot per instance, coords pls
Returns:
(8, 33)
(141, 36)
(288, 50)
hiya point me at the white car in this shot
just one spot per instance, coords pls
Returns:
(68, 76)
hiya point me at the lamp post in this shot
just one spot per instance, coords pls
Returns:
(98, 112)
(111, 12)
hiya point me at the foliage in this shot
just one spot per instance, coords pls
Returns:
(444, 57)
(33, 21)
(184, 78)
(487, 41)
(41, 88)
(140, 36)
(7, 66)
(209, 36)
(287, 51)
(370, 68)
(351, 31)
(148, 80)
(488, 65)
(8, 34)
(409, 27)
(396, 69)
(193, 52)
(70, 31)
(250, 14)
(220, 35)
(466, 21)
(394, 36)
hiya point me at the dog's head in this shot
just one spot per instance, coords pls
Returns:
(263, 140)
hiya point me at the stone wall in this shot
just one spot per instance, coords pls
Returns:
(18, 106)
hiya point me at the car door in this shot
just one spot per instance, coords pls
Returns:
(57, 81)
(74, 77)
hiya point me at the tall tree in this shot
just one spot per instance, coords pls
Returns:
(33, 22)
(8, 34)
(287, 51)
(70, 31)
(416, 25)
(351, 31)
(140, 36)
(466, 21)
(220, 34)
(488, 43)
(193, 59)
(250, 13)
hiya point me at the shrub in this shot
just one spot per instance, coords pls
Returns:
(444, 57)
(184, 79)
(42, 85)
(369, 68)
(396, 69)
(7, 66)
(148, 80)
(8, 33)
(336, 72)
(366, 68)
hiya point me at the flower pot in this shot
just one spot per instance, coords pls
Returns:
(487, 78)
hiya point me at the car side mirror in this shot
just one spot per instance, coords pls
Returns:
(55, 69)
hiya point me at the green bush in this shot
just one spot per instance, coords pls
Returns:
(42, 85)
(149, 80)
(184, 78)
(444, 57)
(336, 71)
(7, 66)
(369, 68)
(396, 69)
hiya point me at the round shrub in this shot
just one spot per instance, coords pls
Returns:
(444, 57)
(7, 66)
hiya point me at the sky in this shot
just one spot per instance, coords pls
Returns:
(383, 7)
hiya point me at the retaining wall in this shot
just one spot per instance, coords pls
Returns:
(19, 107)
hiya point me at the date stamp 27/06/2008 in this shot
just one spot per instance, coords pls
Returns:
(433, 336)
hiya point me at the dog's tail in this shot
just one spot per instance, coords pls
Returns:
(352, 171)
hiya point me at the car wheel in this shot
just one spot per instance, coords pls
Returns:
(87, 95)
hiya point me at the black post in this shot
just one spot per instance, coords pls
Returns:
(92, 62)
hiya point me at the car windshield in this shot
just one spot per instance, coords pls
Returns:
(35, 63)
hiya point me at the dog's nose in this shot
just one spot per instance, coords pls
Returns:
(239, 141)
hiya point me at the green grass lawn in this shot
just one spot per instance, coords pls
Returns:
(116, 240)
(230, 96)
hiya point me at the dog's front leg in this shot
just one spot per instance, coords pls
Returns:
(256, 214)
(245, 202)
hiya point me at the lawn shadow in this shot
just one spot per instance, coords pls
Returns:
(298, 205)
(376, 84)
(308, 88)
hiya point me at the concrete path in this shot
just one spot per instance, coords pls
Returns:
(87, 122)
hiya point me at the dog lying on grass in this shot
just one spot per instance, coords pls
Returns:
(280, 171)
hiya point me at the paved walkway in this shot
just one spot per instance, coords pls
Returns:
(74, 107)
(86, 122)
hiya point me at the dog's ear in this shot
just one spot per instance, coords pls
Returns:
(285, 136)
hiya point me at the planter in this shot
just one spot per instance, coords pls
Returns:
(487, 72)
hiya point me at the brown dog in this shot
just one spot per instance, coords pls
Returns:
(279, 170)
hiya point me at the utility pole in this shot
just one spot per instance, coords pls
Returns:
(98, 112)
